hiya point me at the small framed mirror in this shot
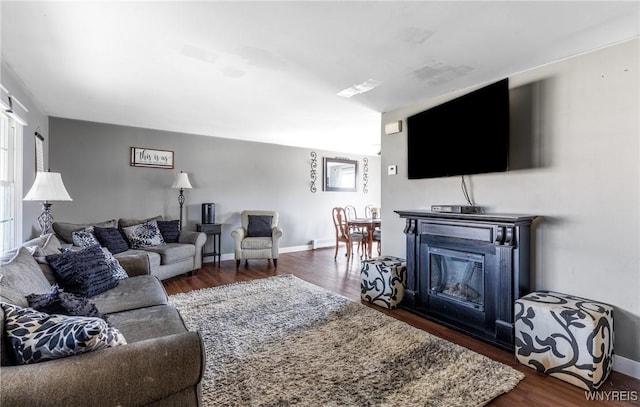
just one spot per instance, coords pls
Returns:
(340, 175)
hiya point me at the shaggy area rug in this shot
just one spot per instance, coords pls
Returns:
(282, 341)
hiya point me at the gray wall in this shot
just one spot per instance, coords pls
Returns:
(575, 145)
(94, 161)
(37, 120)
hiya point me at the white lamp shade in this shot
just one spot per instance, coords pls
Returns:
(181, 181)
(48, 186)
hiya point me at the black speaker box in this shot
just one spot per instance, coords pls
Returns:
(208, 213)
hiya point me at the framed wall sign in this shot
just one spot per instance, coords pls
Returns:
(147, 157)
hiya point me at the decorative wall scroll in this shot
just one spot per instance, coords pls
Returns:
(147, 157)
(314, 175)
(365, 175)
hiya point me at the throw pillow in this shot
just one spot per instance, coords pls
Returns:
(56, 301)
(36, 336)
(23, 274)
(170, 230)
(111, 238)
(12, 296)
(84, 272)
(84, 238)
(43, 245)
(144, 235)
(114, 265)
(259, 226)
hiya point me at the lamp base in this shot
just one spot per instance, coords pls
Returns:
(45, 220)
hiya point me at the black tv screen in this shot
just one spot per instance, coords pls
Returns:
(466, 135)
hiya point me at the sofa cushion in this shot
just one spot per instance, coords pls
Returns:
(36, 336)
(123, 223)
(143, 235)
(56, 301)
(112, 239)
(148, 323)
(154, 258)
(23, 274)
(259, 226)
(256, 243)
(173, 252)
(65, 230)
(134, 292)
(170, 230)
(84, 272)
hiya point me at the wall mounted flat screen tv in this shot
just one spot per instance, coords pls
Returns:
(466, 135)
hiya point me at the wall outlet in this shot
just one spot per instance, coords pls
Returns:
(392, 170)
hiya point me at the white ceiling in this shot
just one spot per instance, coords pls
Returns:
(270, 71)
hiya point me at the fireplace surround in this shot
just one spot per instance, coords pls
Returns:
(466, 270)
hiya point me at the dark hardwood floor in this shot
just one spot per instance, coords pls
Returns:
(343, 277)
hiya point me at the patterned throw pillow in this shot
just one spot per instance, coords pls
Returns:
(144, 235)
(114, 265)
(36, 336)
(56, 301)
(111, 238)
(84, 238)
(84, 272)
(170, 230)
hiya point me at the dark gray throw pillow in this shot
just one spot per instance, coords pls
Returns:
(170, 230)
(84, 272)
(259, 226)
(112, 239)
(56, 301)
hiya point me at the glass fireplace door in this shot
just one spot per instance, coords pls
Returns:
(457, 276)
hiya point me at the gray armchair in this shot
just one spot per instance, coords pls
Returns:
(258, 237)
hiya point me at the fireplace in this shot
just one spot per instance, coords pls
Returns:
(467, 270)
(457, 276)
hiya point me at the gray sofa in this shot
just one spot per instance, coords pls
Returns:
(162, 363)
(163, 261)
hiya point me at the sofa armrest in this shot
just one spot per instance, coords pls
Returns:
(276, 234)
(198, 239)
(135, 264)
(128, 375)
(195, 238)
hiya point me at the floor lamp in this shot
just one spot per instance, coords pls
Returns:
(47, 187)
(181, 182)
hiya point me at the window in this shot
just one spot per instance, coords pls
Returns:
(10, 183)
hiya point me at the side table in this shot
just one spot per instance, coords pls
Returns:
(215, 230)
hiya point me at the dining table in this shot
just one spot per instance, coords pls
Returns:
(368, 223)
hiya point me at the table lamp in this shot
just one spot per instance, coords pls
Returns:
(47, 187)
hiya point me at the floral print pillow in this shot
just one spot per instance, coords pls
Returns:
(144, 235)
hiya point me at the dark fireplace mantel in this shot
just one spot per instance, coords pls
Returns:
(466, 270)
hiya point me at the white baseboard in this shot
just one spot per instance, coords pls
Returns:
(230, 256)
(626, 366)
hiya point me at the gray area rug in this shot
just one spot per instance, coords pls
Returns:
(282, 341)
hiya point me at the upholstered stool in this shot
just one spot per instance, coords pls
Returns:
(382, 281)
(567, 337)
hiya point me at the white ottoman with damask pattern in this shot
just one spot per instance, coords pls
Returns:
(382, 281)
(567, 337)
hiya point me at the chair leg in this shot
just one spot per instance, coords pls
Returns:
(237, 263)
(335, 255)
(275, 263)
(246, 263)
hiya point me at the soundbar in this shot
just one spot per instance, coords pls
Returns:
(455, 209)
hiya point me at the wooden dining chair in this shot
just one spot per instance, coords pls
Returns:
(377, 233)
(343, 232)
